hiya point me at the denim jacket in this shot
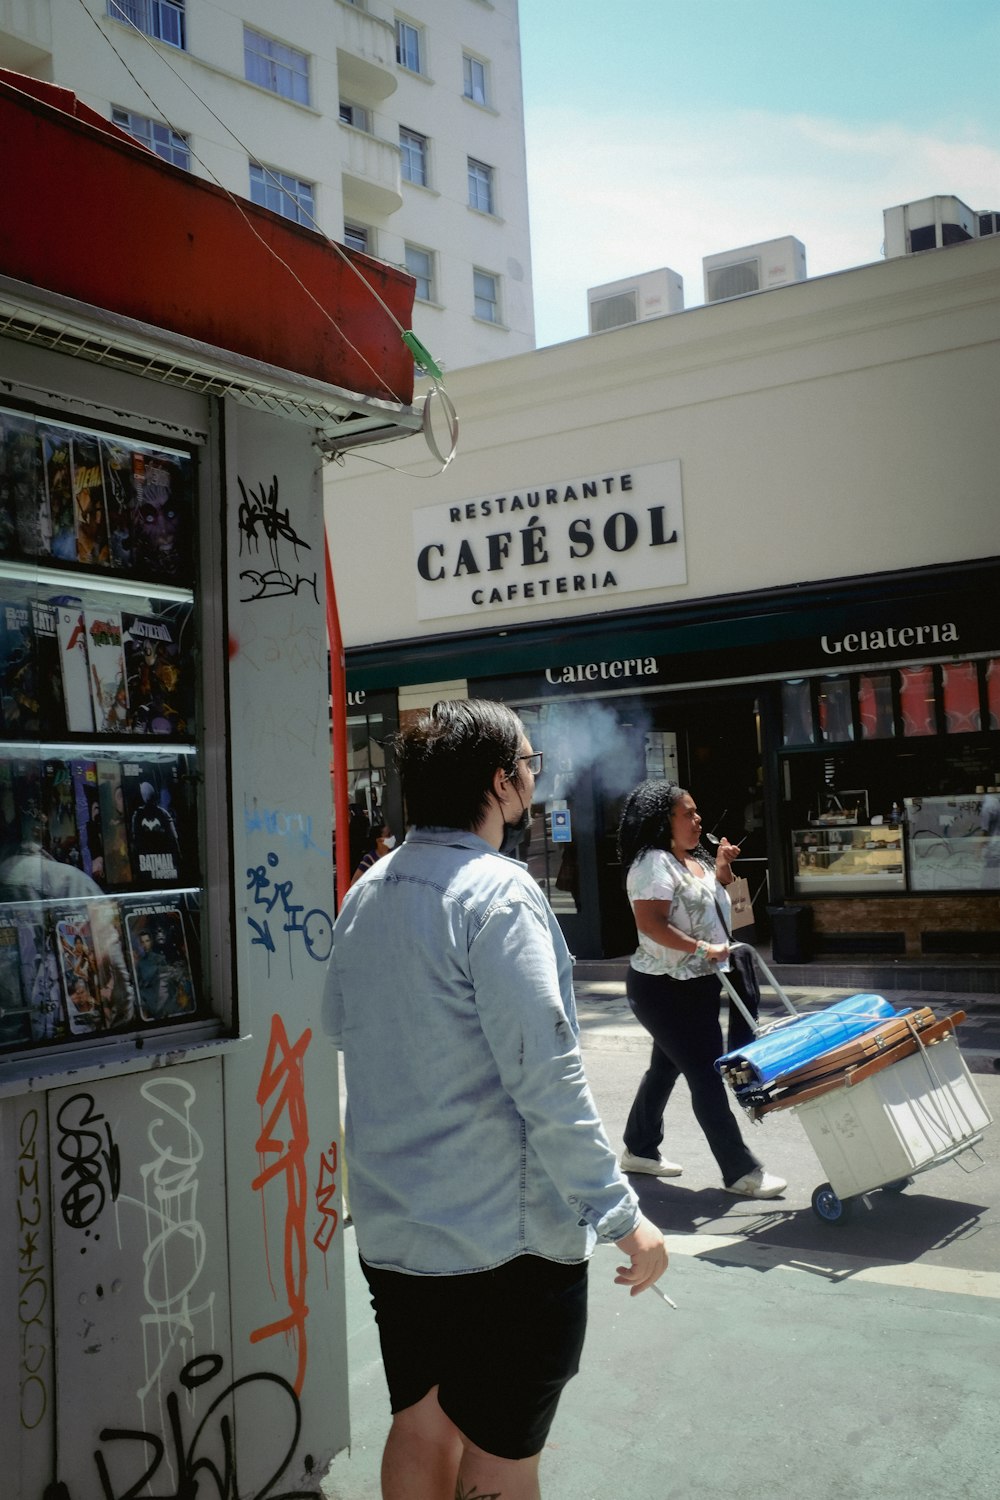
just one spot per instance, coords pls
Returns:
(471, 1132)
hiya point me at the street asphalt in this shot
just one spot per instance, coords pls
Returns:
(804, 1361)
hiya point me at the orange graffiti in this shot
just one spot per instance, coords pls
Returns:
(283, 1083)
(325, 1190)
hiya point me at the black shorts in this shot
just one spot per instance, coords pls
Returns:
(499, 1345)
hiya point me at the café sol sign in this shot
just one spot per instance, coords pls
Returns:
(589, 539)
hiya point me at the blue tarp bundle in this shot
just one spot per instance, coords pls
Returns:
(789, 1047)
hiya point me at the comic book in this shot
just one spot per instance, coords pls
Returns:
(162, 516)
(8, 526)
(158, 673)
(75, 674)
(48, 670)
(90, 516)
(87, 808)
(18, 675)
(30, 823)
(25, 484)
(116, 993)
(62, 839)
(15, 1024)
(120, 496)
(9, 822)
(58, 472)
(161, 961)
(157, 804)
(40, 982)
(74, 948)
(114, 825)
(107, 670)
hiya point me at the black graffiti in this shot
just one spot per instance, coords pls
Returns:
(276, 584)
(189, 1465)
(259, 513)
(88, 1154)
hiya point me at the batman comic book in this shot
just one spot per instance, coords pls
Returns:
(158, 669)
(159, 807)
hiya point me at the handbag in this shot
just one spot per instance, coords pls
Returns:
(742, 975)
(739, 896)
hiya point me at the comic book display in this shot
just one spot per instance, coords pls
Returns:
(99, 849)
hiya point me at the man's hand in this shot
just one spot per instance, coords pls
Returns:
(647, 1258)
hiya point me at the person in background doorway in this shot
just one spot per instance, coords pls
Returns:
(677, 893)
(481, 1176)
(380, 844)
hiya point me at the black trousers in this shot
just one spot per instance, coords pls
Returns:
(682, 1017)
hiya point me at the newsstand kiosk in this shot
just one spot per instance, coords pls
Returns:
(171, 1268)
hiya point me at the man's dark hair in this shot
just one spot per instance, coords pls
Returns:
(645, 821)
(447, 759)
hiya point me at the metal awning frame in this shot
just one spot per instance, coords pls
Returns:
(343, 419)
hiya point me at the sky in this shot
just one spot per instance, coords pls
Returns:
(662, 131)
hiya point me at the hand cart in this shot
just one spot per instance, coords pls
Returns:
(882, 1094)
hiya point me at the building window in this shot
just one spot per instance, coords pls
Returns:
(420, 264)
(357, 237)
(275, 66)
(167, 143)
(356, 115)
(474, 76)
(413, 156)
(480, 186)
(284, 195)
(162, 19)
(486, 290)
(408, 48)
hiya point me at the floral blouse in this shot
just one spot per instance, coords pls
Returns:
(658, 876)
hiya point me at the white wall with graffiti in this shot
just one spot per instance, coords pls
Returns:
(171, 1262)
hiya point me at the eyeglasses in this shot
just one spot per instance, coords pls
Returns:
(532, 761)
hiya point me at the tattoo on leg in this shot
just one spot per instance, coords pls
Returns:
(461, 1493)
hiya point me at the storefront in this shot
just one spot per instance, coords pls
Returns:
(847, 734)
(753, 545)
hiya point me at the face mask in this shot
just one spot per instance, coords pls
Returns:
(513, 834)
(389, 841)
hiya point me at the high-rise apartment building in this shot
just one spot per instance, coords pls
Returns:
(397, 132)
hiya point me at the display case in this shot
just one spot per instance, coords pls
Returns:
(953, 843)
(860, 857)
(100, 870)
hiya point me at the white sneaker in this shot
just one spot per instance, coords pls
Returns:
(758, 1184)
(655, 1166)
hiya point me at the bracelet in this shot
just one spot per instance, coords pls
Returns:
(701, 949)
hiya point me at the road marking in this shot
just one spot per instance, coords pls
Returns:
(737, 1251)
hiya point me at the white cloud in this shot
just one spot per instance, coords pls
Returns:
(615, 195)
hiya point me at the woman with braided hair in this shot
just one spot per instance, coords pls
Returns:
(677, 891)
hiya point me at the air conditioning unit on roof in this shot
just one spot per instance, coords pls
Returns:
(754, 268)
(618, 303)
(928, 224)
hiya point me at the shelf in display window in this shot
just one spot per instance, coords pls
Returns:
(862, 857)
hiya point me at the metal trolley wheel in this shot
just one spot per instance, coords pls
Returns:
(830, 1209)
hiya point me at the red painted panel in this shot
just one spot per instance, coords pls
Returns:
(91, 214)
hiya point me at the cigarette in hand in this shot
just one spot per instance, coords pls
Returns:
(654, 1287)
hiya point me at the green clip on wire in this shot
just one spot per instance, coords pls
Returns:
(420, 354)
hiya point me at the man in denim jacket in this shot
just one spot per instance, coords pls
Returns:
(481, 1176)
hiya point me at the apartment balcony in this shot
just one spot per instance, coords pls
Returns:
(370, 172)
(26, 35)
(366, 54)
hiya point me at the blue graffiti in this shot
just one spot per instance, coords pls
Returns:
(283, 825)
(276, 897)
